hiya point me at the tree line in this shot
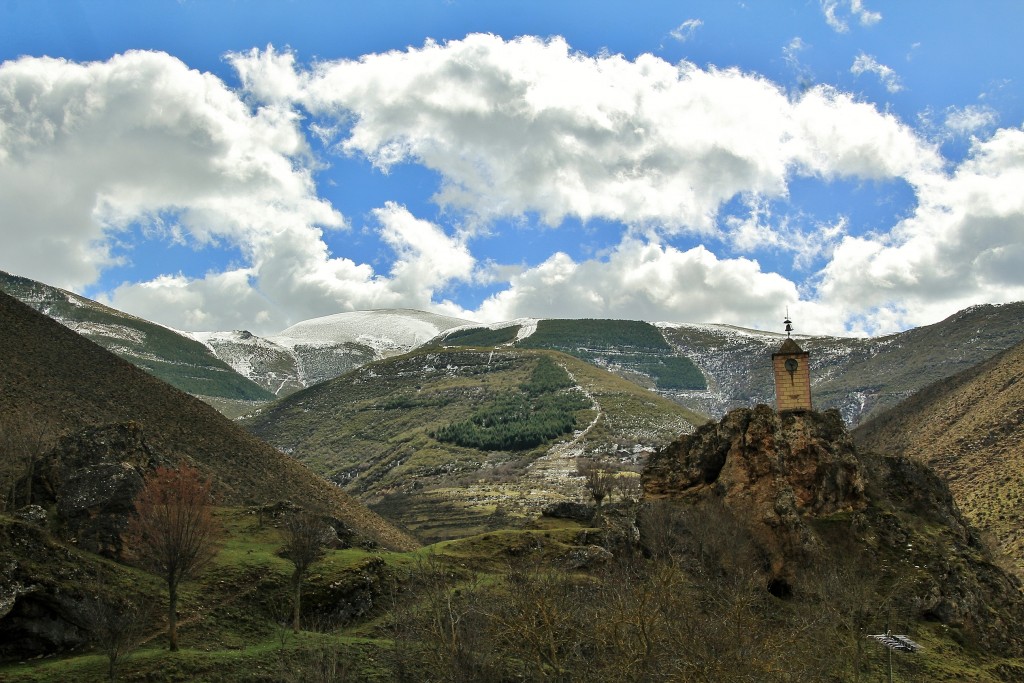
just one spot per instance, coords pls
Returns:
(567, 335)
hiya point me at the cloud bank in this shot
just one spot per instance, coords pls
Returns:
(514, 129)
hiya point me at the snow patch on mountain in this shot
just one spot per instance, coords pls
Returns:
(386, 331)
(729, 331)
(87, 328)
(527, 327)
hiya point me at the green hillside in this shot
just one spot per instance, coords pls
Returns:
(56, 382)
(632, 348)
(969, 428)
(654, 590)
(426, 439)
(560, 600)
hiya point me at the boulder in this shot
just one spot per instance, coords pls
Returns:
(92, 479)
(588, 558)
(33, 514)
(567, 509)
(40, 594)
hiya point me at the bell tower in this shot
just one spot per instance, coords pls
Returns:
(792, 369)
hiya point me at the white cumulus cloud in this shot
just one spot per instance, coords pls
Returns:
(527, 125)
(963, 244)
(644, 280)
(964, 121)
(428, 259)
(91, 150)
(514, 129)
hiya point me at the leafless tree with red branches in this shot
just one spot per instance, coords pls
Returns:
(173, 533)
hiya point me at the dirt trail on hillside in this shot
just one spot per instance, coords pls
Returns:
(558, 466)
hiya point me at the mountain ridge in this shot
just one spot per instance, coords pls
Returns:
(319, 349)
(162, 351)
(706, 367)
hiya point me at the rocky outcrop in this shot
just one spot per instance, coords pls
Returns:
(92, 479)
(769, 468)
(40, 594)
(761, 454)
(798, 486)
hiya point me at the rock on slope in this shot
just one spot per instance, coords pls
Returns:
(970, 428)
(772, 469)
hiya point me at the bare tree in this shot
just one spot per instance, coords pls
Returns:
(173, 532)
(22, 443)
(115, 624)
(598, 478)
(447, 614)
(305, 540)
(630, 490)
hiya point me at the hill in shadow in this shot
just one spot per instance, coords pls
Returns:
(969, 428)
(53, 380)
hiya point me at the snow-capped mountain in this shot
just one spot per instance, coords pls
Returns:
(319, 349)
(709, 368)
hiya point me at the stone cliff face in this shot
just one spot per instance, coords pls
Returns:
(773, 470)
(759, 454)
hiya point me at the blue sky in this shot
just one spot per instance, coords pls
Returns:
(246, 165)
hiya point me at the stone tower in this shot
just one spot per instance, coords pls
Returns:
(792, 369)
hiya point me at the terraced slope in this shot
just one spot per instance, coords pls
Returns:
(377, 432)
(970, 428)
